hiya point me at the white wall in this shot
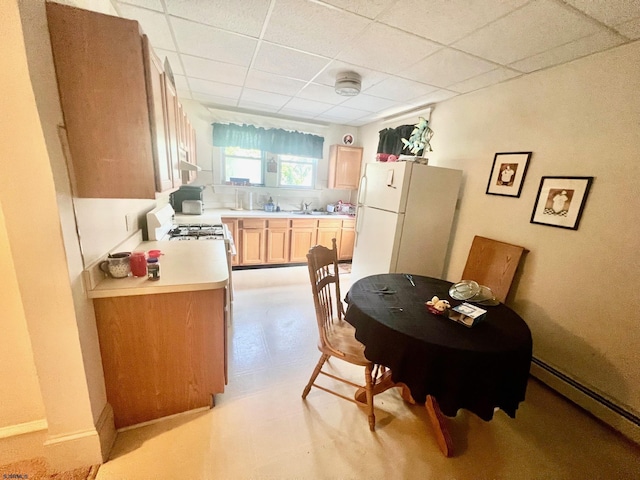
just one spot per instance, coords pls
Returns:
(45, 253)
(577, 291)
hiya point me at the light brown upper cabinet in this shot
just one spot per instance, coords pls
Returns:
(164, 147)
(115, 116)
(344, 167)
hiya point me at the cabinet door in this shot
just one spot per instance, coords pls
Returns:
(278, 245)
(347, 240)
(328, 230)
(303, 237)
(151, 371)
(253, 251)
(188, 176)
(171, 121)
(252, 234)
(100, 72)
(344, 167)
(156, 100)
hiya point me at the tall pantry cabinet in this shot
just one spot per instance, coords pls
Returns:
(121, 122)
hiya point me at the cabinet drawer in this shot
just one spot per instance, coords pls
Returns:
(253, 223)
(278, 223)
(303, 223)
(329, 223)
(348, 224)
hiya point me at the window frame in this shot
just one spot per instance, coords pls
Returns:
(224, 155)
(314, 170)
(265, 157)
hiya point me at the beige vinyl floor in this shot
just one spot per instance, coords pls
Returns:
(260, 427)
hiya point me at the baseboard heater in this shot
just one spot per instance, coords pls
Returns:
(619, 418)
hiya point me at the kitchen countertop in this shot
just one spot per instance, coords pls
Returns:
(184, 266)
(209, 215)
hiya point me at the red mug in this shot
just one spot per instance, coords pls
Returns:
(138, 262)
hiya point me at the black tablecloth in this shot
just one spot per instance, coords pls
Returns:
(476, 368)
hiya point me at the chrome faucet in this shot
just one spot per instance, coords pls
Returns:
(306, 206)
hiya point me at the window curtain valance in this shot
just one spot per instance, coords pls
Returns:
(274, 140)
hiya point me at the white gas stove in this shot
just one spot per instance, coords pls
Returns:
(164, 225)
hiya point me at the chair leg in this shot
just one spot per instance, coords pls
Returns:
(314, 375)
(369, 390)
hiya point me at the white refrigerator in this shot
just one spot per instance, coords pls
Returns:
(403, 219)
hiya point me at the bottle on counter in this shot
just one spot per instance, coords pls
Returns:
(138, 262)
(153, 268)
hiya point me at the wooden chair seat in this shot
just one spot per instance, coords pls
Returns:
(343, 344)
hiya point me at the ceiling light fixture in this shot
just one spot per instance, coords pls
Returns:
(348, 84)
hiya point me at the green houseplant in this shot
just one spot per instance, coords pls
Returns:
(419, 140)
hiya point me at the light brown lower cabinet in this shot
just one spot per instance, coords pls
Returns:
(328, 229)
(347, 240)
(274, 241)
(303, 237)
(162, 354)
(252, 241)
(278, 240)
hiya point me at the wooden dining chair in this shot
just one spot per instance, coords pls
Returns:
(493, 263)
(336, 336)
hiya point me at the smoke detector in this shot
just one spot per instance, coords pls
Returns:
(348, 84)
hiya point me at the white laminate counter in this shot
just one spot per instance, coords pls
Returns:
(214, 215)
(184, 266)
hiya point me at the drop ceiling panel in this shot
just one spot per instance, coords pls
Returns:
(384, 48)
(366, 8)
(263, 98)
(218, 89)
(346, 113)
(269, 82)
(285, 54)
(498, 75)
(149, 4)
(287, 62)
(399, 89)
(446, 21)
(242, 16)
(446, 67)
(630, 29)
(369, 103)
(321, 93)
(611, 12)
(153, 24)
(535, 28)
(312, 27)
(304, 105)
(202, 68)
(209, 42)
(569, 51)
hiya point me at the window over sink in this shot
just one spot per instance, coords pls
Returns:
(252, 165)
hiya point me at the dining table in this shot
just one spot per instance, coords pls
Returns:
(437, 361)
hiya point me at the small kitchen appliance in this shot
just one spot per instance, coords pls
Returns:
(185, 192)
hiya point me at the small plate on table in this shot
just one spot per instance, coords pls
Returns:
(464, 290)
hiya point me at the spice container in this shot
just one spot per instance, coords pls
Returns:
(153, 269)
(138, 263)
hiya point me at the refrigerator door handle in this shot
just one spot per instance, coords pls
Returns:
(359, 215)
(363, 190)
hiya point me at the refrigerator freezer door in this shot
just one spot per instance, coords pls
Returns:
(378, 234)
(385, 186)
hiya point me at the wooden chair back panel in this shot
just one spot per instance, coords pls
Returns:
(493, 263)
(325, 286)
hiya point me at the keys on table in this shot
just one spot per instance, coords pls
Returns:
(410, 278)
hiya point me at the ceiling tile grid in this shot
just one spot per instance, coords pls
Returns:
(282, 56)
